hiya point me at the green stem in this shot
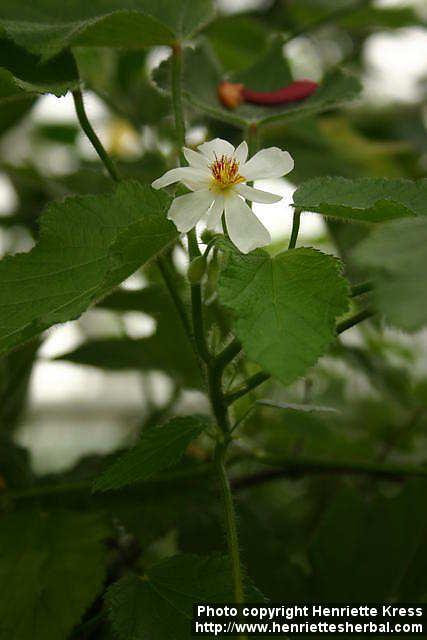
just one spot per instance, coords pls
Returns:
(164, 268)
(228, 353)
(230, 523)
(197, 304)
(196, 333)
(214, 369)
(199, 324)
(96, 142)
(253, 139)
(295, 229)
(177, 98)
(354, 320)
(224, 227)
(217, 400)
(284, 467)
(359, 289)
(251, 383)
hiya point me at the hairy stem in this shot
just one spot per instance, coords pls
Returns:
(228, 353)
(213, 367)
(230, 523)
(251, 383)
(96, 142)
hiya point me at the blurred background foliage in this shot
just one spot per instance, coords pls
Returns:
(319, 519)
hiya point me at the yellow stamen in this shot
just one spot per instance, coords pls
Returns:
(225, 172)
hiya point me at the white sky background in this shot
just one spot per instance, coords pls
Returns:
(397, 61)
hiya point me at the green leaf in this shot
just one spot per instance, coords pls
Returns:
(285, 307)
(159, 604)
(271, 72)
(15, 374)
(397, 254)
(265, 73)
(21, 106)
(22, 73)
(158, 448)
(45, 27)
(360, 16)
(15, 466)
(153, 300)
(364, 199)
(382, 18)
(82, 254)
(52, 567)
(237, 40)
(358, 535)
(168, 350)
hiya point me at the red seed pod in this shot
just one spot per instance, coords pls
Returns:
(232, 95)
(297, 90)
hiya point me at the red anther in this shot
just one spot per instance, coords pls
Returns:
(231, 95)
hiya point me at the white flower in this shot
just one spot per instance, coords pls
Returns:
(217, 176)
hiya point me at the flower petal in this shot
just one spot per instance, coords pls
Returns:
(256, 195)
(195, 159)
(215, 213)
(216, 147)
(244, 228)
(241, 153)
(185, 211)
(187, 175)
(268, 163)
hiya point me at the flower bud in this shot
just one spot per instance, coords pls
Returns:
(197, 269)
(207, 235)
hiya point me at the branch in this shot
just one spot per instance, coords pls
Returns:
(359, 289)
(250, 384)
(228, 354)
(283, 468)
(89, 131)
(354, 320)
(295, 468)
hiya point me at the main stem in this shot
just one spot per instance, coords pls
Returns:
(230, 523)
(213, 366)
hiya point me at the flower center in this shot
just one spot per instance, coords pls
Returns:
(225, 172)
